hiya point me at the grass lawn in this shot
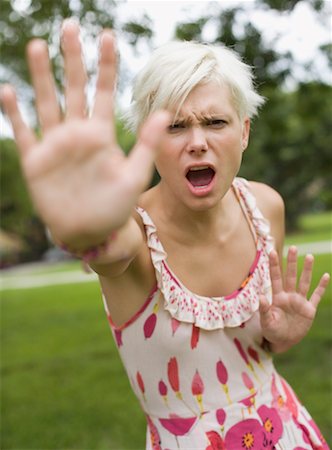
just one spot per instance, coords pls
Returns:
(63, 386)
(312, 228)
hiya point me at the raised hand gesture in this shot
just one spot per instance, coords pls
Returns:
(81, 183)
(288, 319)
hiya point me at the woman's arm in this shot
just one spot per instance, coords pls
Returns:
(82, 185)
(289, 318)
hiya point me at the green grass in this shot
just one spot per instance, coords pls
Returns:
(312, 228)
(63, 385)
(308, 365)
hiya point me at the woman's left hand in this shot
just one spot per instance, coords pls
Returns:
(288, 319)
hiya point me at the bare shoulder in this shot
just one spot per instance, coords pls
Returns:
(268, 199)
(272, 206)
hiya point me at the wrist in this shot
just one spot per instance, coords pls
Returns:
(277, 347)
(91, 253)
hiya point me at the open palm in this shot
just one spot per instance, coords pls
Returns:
(81, 183)
(288, 319)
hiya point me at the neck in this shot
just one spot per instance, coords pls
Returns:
(187, 225)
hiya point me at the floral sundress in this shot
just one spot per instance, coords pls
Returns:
(197, 364)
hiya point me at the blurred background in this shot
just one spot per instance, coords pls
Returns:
(62, 381)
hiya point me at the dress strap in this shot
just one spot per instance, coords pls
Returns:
(259, 225)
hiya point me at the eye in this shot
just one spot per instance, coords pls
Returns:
(216, 123)
(174, 127)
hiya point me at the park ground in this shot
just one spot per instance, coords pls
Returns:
(62, 382)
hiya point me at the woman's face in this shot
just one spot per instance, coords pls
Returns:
(202, 150)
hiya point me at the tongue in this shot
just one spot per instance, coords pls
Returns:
(201, 177)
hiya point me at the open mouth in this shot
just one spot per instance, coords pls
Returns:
(200, 177)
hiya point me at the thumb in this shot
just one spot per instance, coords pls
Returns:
(141, 158)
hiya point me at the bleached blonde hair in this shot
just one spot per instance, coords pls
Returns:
(175, 68)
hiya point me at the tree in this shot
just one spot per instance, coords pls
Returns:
(16, 211)
(23, 20)
(289, 142)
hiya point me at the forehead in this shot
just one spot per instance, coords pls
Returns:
(206, 99)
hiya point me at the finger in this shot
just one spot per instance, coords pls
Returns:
(24, 136)
(47, 104)
(291, 270)
(275, 273)
(104, 99)
(75, 73)
(320, 289)
(141, 158)
(264, 305)
(305, 279)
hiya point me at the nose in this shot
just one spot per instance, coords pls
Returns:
(197, 142)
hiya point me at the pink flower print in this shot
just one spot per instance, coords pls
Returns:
(248, 382)
(175, 325)
(118, 337)
(197, 388)
(278, 401)
(194, 337)
(163, 391)
(162, 388)
(244, 357)
(255, 356)
(216, 441)
(222, 375)
(272, 426)
(178, 426)
(291, 401)
(140, 383)
(173, 376)
(221, 417)
(245, 435)
(248, 402)
(324, 445)
(150, 323)
(241, 351)
(154, 435)
(316, 439)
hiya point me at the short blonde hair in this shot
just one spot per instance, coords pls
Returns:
(175, 68)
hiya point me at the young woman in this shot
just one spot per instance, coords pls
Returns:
(189, 269)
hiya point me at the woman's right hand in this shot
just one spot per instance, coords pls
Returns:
(81, 183)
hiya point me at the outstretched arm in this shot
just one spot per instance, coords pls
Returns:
(81, 183)
(288, 319)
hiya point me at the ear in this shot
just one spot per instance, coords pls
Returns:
(245, 133)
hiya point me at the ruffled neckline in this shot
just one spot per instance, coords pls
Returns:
(223, 311)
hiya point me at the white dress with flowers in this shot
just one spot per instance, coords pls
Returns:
(197, 364)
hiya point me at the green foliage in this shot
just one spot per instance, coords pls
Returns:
(190, 31)
(22, 21)
(15, 204)
(289, 147)
(125, 138)
(136, 31)
(16, 211)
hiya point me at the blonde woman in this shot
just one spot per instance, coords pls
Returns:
(190, 269)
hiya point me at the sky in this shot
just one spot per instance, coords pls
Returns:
(301, 32)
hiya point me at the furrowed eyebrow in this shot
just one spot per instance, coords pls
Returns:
(204, 118)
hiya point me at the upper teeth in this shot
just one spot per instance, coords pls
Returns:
(199, 168)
